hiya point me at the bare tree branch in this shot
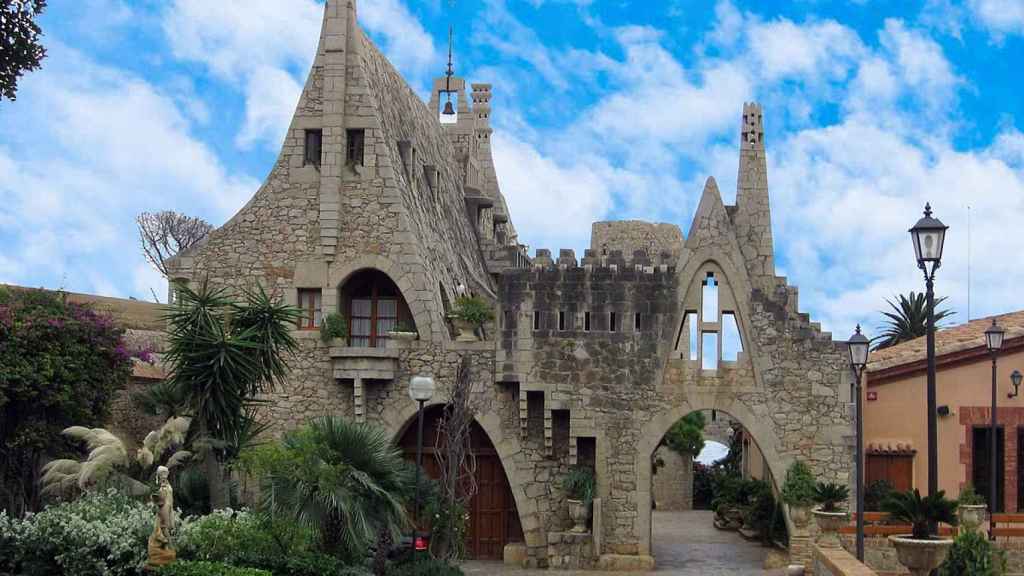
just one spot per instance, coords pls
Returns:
(164, 234)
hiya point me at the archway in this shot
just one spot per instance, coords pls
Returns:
(493, 514)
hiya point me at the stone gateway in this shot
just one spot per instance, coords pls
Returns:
(381, 212)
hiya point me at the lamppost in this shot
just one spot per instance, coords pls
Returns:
(929, 235)
(421, 390)
(994, 341)
(859, 349)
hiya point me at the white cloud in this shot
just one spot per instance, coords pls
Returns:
(405, 41)
(783, 48)
(1001, 17)
(271, 96)
(87, 147)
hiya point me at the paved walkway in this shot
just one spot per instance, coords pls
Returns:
(685, 544)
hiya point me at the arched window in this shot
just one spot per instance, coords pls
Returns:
(374, 306)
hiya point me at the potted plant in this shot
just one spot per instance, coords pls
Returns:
(579, 487)
(471, 312)
(798, 493)
(333, 326)
(970, 508)
(918, 551)
(403, 332)
(830, 515)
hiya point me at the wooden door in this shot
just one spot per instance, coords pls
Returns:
(980, 464)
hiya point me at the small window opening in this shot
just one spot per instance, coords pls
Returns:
(356, 142)
(636, 322)
(709, 299)
(709, 351)
(732, 344)
(586, 321)
(612, 322)
(694, 340)
(314, 147)
(310, 304)
(510, 319)
(536, 319)
(561, 320)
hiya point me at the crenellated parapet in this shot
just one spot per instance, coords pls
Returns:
(612, 261)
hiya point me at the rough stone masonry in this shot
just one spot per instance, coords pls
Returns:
(379, 211)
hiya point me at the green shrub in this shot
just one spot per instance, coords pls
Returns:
(831, 496)
(191, 568)
(99, 534)
(877, 493)
(424, 567)
(474, 310)
(579, 484)
(909, 507)
(686, 436)
(243, 538)
(973, 555)
(968, 497)
(334, 325)
(798, 490)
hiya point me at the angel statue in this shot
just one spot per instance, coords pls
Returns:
(160, 551)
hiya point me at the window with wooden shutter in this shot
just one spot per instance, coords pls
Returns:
(310, 301)
(355, 142)
(314, 147)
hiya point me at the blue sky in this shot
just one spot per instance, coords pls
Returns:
(602, 110)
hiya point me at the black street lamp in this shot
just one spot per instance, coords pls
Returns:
(994, 342)
(1015, 379)
(421, 390)
(929, 235)
(860, 346)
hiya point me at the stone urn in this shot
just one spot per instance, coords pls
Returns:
(800, 515)
(829, 523)
(971, 516)
(579, 512)
(920, 556)
(465, 329)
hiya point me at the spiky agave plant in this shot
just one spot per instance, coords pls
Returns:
(830, 496)
(911, 508)
(110, 464)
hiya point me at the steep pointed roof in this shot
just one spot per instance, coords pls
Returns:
(711, 221)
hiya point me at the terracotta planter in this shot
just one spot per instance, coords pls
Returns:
(800, 515)
(829, 523)
(971, 516)
(580, 513)
(466, 330)
(920, 556)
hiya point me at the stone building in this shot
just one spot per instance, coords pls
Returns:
(379, 211)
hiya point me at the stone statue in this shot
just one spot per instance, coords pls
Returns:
(160, 551)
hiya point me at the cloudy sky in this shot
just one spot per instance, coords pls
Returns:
(603, 109)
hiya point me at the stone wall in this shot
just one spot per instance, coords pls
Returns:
(571, 551)
(838, 562)
(629, 236)
(880, 555)
(673, 480)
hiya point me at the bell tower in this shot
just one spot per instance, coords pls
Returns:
(753, 220)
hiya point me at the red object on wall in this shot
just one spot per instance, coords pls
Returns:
(872, 395)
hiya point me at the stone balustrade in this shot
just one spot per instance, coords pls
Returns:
(838, 562)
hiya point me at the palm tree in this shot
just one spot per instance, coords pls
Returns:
(909, 319)
(221, 356)
(347, 482)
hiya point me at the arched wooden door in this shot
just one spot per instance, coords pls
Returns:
(493, 518)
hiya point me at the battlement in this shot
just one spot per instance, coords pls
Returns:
(609, 260)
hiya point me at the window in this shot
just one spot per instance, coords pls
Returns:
(376, 307)
(732, 344)
(691, 321)
(897, 469)
(355, 140)
(709, 351)
(536, 319)
(314, 147)
(309, 303)
(636, 322)
(709, 300)
(586, 321)
(510, 319)
(561, 320)
(612, 322)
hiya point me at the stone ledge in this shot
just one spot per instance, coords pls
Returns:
(838, 562)
(625, 563)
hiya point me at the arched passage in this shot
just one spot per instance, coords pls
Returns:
(654, 431)
(493, 514)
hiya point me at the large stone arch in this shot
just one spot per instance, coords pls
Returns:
(420, 305)
(654, 430)
(398, 420)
